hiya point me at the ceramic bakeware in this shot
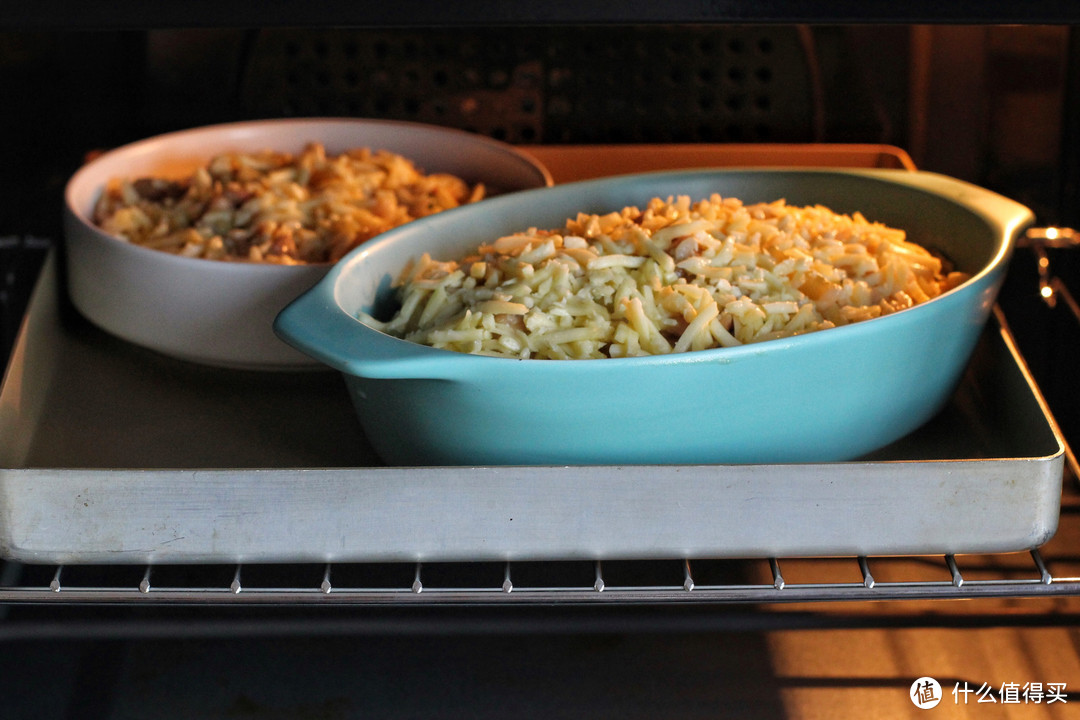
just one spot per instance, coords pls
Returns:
(819, 397)
(220, 313)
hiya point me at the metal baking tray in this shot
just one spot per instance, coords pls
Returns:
(110, 453)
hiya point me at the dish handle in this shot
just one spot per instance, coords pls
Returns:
(1004, 214)
(316, 325)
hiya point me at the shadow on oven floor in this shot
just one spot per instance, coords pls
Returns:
(444, 676)
(796, 674)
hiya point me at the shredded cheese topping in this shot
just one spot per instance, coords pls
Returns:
(677, 276)
(276, 207)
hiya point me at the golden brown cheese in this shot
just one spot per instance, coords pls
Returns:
(277, 207)
(676, 276)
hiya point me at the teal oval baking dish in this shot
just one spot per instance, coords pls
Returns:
(831, 395)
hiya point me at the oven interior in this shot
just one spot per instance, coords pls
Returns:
(993, 104)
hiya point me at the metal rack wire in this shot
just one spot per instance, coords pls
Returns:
(1029, 579)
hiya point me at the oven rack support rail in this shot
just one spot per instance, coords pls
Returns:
(1034, 580)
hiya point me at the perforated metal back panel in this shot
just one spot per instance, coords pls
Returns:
(566, 85)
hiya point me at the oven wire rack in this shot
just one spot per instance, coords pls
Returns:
(247, 585)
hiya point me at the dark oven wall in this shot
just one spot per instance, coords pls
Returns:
(82, 91)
